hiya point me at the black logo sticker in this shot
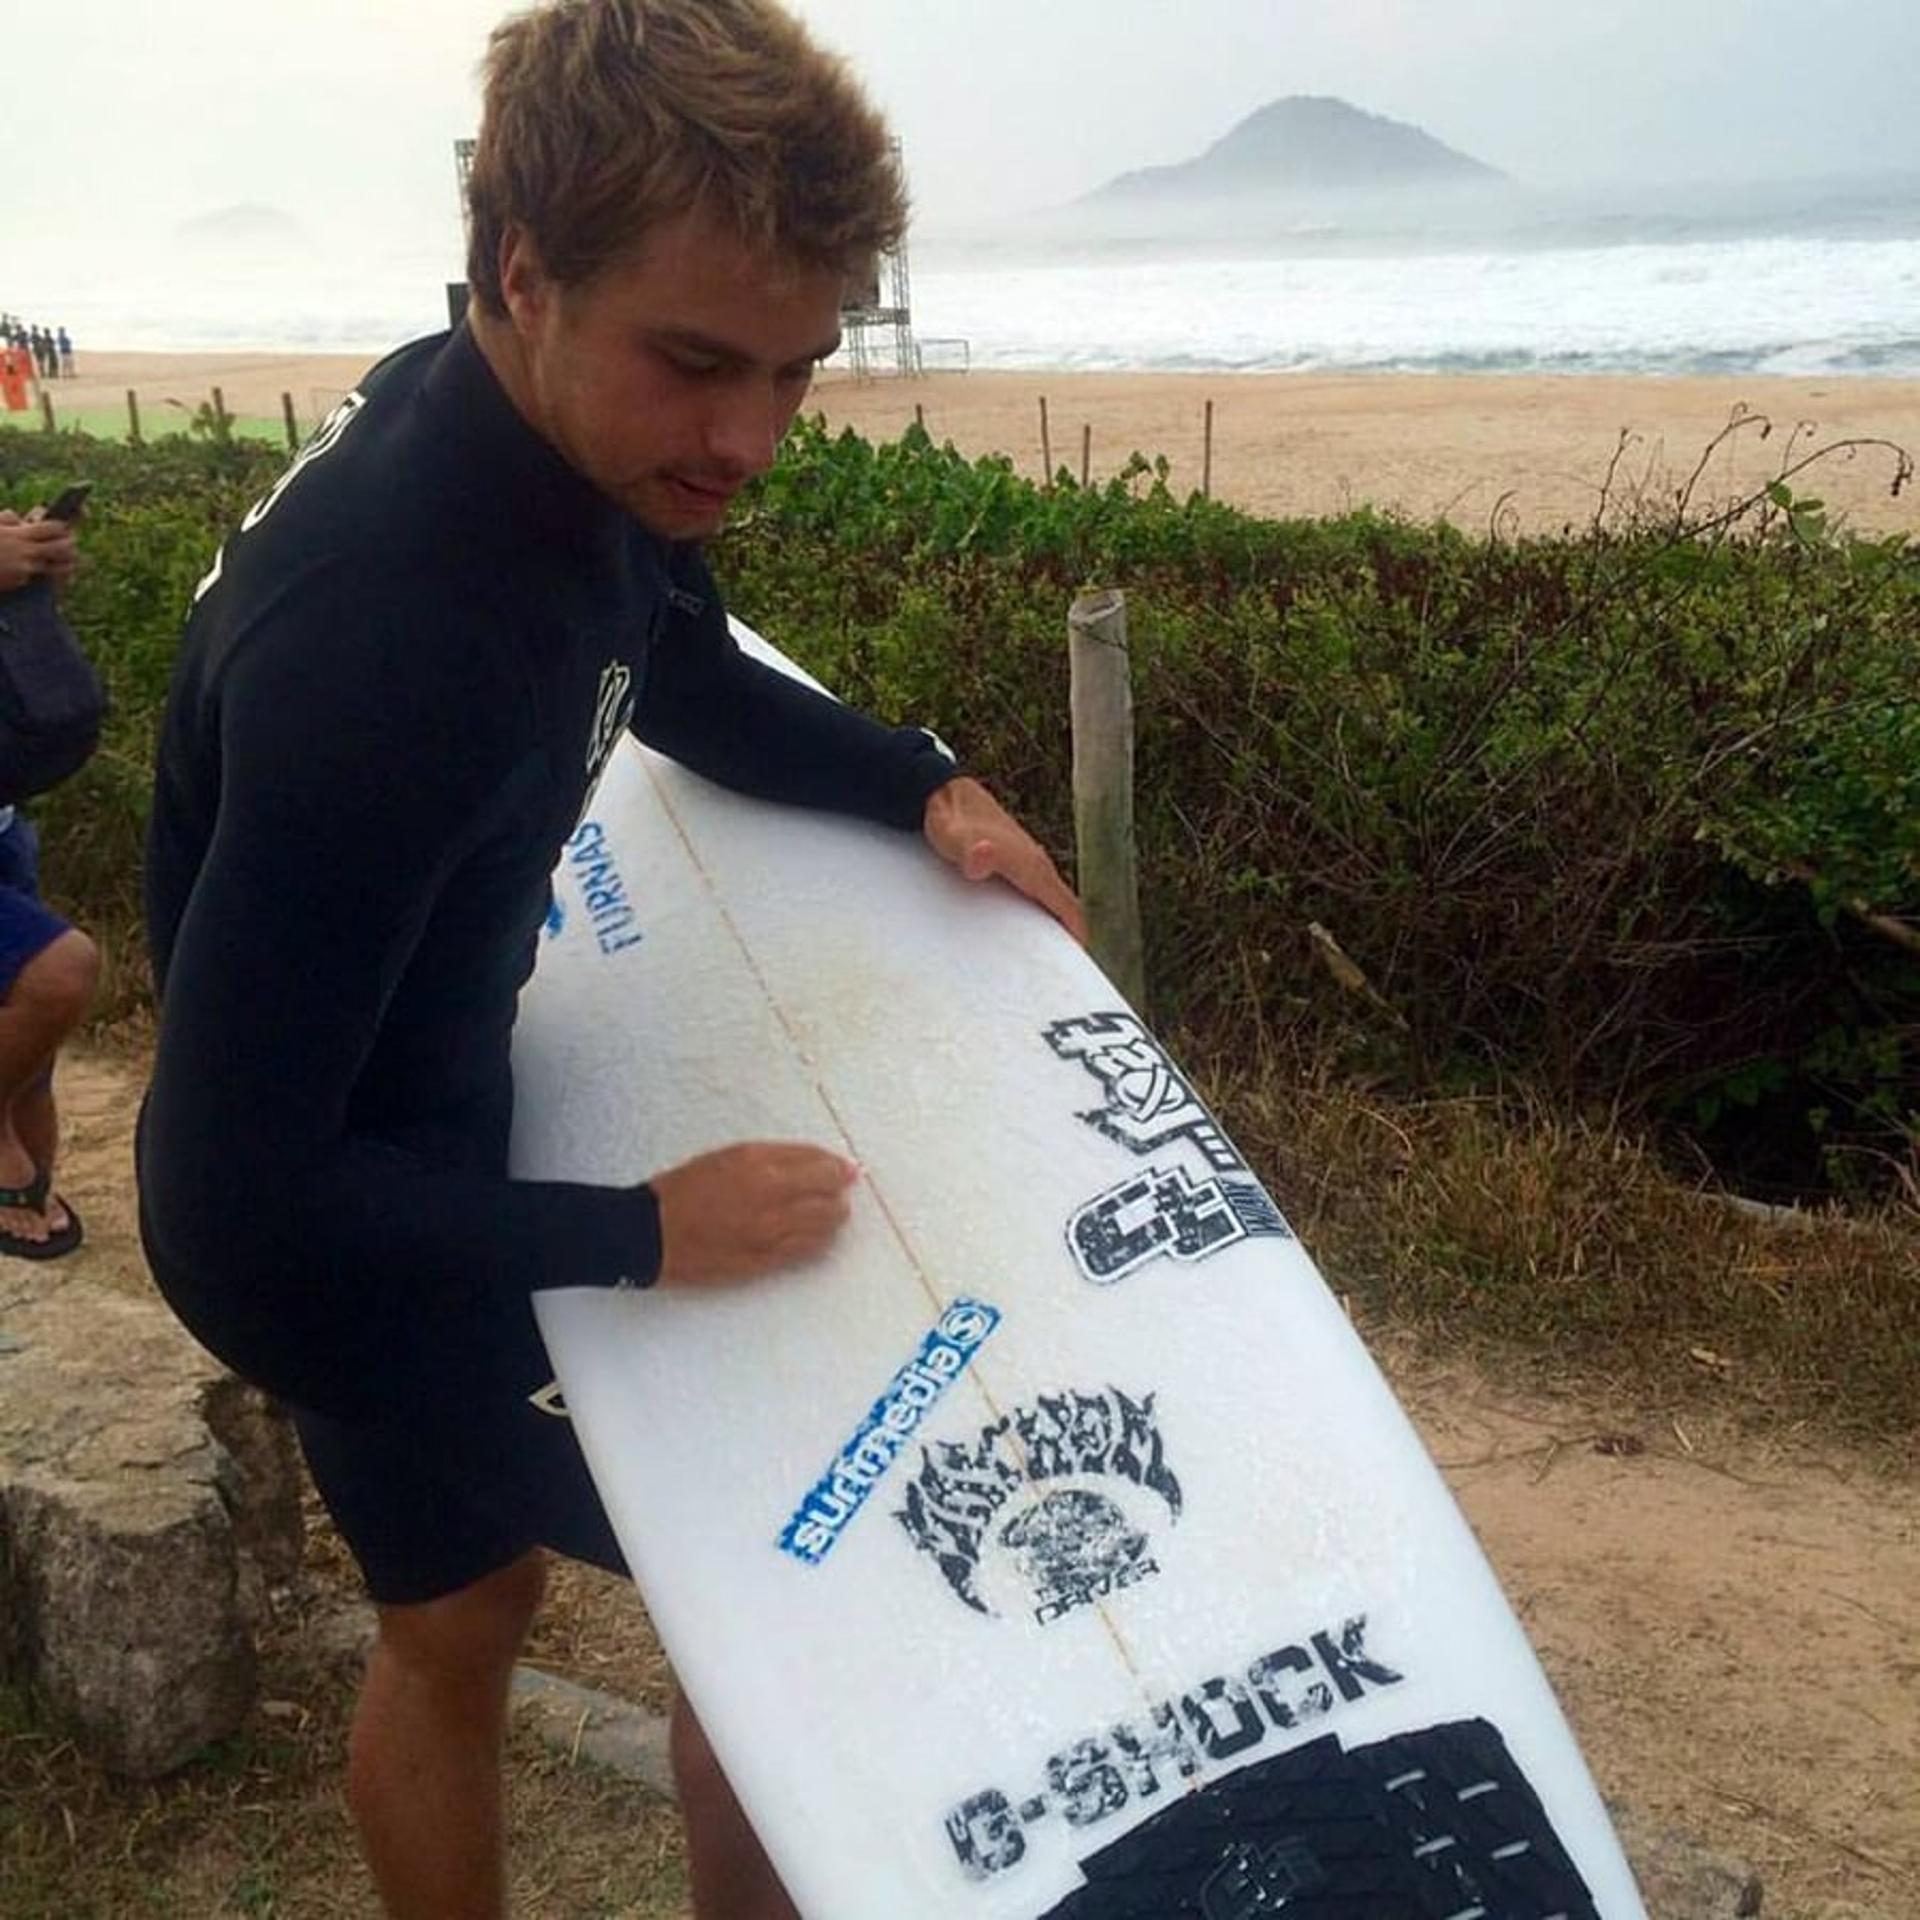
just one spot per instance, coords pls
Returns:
(1165, 1211)
(1224, 1717)
(1148, 1100)
(1045, 1510)
(1168, 1211)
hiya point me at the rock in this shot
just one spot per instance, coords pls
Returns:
(586, 1724)
(1682, 1880)
(146, 1500)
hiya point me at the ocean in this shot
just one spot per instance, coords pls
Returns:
(1810, 280)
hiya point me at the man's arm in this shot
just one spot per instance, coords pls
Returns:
(348, 804)
(753, 728)
(749, 726)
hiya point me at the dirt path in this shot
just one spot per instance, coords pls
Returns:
(1733, 1626)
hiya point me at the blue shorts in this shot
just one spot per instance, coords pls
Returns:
(28, 926)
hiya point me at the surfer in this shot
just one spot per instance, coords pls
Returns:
(397, 687)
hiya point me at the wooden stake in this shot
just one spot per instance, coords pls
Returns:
(1206, 458)
(133, 418)
(46, 409)
(919, 416)
(1101, 699)
(219, 406)
(293, 425)
(1046, 448)
(1086, 451)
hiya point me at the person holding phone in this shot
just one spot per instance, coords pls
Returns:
(48, 968)
(38, 546)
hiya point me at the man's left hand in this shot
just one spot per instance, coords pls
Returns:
(968, 827)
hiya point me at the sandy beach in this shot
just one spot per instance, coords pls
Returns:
(1535, 451)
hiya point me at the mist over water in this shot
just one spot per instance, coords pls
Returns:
(1818, 278)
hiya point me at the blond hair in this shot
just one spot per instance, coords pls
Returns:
(604, 118)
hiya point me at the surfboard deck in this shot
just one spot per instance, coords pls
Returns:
(1052, 1548)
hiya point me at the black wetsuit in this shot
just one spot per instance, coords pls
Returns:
(393, 698)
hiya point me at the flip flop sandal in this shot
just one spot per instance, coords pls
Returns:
(33, 1198)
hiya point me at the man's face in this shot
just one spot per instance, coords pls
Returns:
(669, 378)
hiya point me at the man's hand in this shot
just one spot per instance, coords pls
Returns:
(35, 549)
(967, 826)
(743, 1211)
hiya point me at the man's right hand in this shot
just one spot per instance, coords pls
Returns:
(742, 1211)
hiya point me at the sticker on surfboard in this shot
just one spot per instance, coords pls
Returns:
(889, 1427)
(1170, 1210)
(1049, 1509)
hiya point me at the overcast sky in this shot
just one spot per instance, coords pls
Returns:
(137, 113)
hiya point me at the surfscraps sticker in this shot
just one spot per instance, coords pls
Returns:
(1171, 1210)
(828, 1510)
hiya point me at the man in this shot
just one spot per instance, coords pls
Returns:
(47, 968)
(382, 729)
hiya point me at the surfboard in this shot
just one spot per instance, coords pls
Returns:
(1053, 1548)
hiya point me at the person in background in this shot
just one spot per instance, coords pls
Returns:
(13, 377)
(48, 968)
(63, 341)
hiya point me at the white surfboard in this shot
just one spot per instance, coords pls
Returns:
(1053, 1548)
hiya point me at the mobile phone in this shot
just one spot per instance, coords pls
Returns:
(67, 504)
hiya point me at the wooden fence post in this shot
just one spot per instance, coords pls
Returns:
(133, 418)
(1206, 458)
(293, 425)
(1101, 699)
(219, 408)
(1086, 452)
(46, 410)
(1046, 448)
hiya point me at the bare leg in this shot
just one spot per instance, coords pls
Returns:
(43, 1007)
(732, 1877)
(424, 1763)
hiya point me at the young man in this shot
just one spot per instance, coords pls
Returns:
(393, 699)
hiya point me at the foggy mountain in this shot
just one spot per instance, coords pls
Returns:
(1302, 148)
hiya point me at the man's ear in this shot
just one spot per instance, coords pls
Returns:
(524, 285)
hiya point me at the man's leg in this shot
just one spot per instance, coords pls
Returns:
(47, 1000)
(732, 1877)
(424, 1763)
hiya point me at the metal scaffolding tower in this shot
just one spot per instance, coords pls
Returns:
(877, 323)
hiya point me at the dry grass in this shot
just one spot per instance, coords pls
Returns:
(1498, 1225)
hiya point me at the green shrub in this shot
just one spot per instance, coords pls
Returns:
(1627, 816)
(1630, 817)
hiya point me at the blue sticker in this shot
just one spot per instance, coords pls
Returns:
(602, 890)
(887, 1431)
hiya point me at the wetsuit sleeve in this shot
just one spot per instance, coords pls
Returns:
(350, 802)
(758, 730)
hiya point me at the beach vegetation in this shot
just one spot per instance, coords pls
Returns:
(1620, 830)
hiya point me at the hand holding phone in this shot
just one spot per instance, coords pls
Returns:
(70, 502)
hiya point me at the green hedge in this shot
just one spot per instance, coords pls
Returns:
(1600, 812)
(1630, 816)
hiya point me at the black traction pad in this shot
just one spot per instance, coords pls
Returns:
(1436, 1825)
